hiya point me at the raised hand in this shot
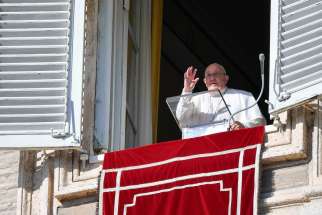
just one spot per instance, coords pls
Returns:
(189, 79)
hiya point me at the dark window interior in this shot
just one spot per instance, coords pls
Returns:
(198, 33)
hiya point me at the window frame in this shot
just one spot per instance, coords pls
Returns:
(111, 106)
(111, 79)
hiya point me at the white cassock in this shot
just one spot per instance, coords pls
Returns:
(206, 113)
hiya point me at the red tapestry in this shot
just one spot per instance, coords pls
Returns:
(214, 174)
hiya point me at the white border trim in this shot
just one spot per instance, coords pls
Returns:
(222, 189)
(100, 200)
(240, 180)
(117, 192)
(181, 178)
(190, 157)
(256, 176)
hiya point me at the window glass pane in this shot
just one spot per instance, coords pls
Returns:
(132, 77)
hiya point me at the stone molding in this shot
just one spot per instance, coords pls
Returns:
(291, 141)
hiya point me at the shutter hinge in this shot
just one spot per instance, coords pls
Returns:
(126, 4)
(58, 134)
(284, 96)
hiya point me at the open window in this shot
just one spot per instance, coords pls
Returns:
(199, 33)
(295, 53)
(41, 68)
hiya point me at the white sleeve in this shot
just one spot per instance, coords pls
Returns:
(253, 115)
(184, 110)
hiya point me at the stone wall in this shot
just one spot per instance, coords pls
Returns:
(9, 167)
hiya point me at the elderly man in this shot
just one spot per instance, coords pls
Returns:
(207, 113)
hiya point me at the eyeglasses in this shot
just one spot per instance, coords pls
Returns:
(215, 75)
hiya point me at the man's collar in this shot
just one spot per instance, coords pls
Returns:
(215, 93)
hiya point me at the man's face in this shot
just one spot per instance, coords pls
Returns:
(215, 77)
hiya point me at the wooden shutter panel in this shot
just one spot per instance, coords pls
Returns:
(39, 71)
(296, 52)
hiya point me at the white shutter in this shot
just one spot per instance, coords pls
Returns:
(295, 52)
(41, 63)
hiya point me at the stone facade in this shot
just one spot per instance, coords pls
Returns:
(9, 167)
(291, 173)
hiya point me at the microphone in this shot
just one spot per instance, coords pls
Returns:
(261, 61)
(226, 105)
(261, 58)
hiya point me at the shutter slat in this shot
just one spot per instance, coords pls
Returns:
(33, 21)
(306, 61)
(11, 7)
(31, 75)
(32, 92)
(32, 4)
(287, 2)
(34, 15)
(21, 41)
(49, 83)
(303, 42)
(32, 109)
(6, 128)
(34, 1)
(16, 101)
(304, 81)
(35, 49)
(307, 45)
(301, 38)
(33, 66)
(16, 58)
(10, 24)
(33, 32)
(311, 17)
(296, 74)
(294, 56)
(16, 118)
(302, 12)
(2, 48)
(298, 5)
(24, 132)
(302, 29)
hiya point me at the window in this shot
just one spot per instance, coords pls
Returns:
(123, 84)
(295, 53)
(41, 56)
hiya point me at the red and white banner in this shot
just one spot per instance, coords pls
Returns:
(214, 174)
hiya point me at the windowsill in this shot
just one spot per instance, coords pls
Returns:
(289, 143)
(278, 144)
(281, 144)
